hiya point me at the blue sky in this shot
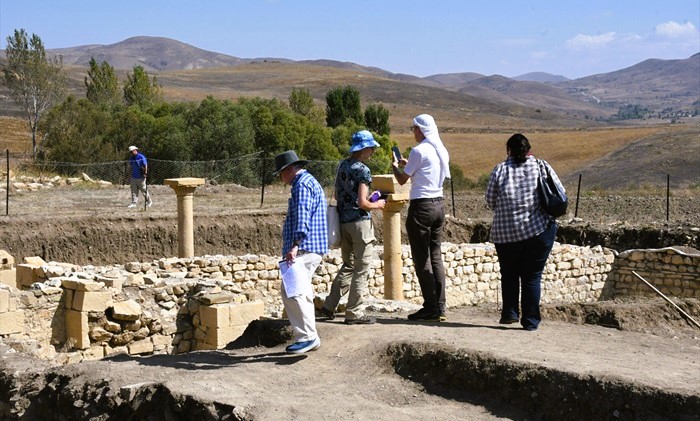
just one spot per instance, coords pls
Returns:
(574, 38)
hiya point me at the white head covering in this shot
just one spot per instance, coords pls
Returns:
(427, 126)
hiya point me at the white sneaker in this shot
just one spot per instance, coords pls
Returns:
(149, 204)
(133, 205)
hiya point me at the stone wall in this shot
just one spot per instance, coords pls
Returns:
(174, 305)
(672, 271)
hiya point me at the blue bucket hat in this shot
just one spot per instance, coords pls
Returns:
(361, 140)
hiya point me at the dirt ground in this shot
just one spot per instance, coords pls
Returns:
(643, 357)
(88, 224)
(393, 370)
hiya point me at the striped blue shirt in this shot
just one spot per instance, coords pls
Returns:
(306, 216)
(512, 194)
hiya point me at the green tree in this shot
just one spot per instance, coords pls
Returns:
(35, 82)
(220, 129)
(377, 119)
(102, 84)
(343, 104)
(301, 101)
(140, 90)
(75, 131)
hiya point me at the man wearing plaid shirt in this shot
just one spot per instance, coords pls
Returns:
(304, 242)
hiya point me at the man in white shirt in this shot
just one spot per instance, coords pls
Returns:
(427, 167)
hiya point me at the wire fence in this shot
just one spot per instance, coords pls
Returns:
(249, 182)
(251, 170)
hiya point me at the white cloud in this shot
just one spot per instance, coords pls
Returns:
(673, 29)
(590, 41)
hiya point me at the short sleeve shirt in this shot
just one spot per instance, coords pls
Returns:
(423, 167)
(512, 194)
(351, 173)
(137, 161)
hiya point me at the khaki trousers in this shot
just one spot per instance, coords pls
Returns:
(356, 247)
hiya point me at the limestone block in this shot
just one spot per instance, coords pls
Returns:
(4, 300)
(11, 322)
(8, 277)
(68, 295)
(223, 336)
(217, 298)
(243, 314)
(144, 346)
(34, 260)
(77, 328)
(6, 260)
(161, 341)
(126, 310)
(111, 282)
(215, 316)
(92, 300)
(95, 352)
(26, 275)
(79, 284)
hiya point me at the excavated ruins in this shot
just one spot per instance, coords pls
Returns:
(202, 335)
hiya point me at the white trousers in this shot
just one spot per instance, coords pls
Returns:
(300, 309)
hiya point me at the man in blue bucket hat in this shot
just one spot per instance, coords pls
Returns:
(352, 187)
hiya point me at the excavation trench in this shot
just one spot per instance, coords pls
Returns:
(538, 392)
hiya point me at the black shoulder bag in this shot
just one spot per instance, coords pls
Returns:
(552, 198)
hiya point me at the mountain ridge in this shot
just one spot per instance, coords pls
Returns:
(660, 88)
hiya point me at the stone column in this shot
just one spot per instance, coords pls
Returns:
(397, 197)
(184, 189)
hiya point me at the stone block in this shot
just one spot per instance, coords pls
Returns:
(8, 277)
(80, 284)
(126, 310)
(223, 336)
(68, 295)
(215, 316)
(77, 328)
(92, 300)
(243, 314)
(6, 260)
(144, 346)
(161, 341)
(4, 300)
(115, 283)
(26, 275)
(34, 260)
(96, 352)
(11, 322)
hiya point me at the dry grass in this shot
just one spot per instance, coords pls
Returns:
(15, 135)
(567, 150)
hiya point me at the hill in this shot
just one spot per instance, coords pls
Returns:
(647, 161)
(533, 94)
(153, 53)
(667, 88)
(663, 88)
(541, 77)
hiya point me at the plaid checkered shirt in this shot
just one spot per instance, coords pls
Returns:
(306, 216)
(512, 194)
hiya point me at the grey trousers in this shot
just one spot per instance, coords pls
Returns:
(139, 185)
(356, 248)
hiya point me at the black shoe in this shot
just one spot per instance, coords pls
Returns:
(423, 315)
(364, 320)
(508, 320)
(327, 314)
(443, 317)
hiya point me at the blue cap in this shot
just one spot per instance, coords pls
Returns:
(361, 140)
